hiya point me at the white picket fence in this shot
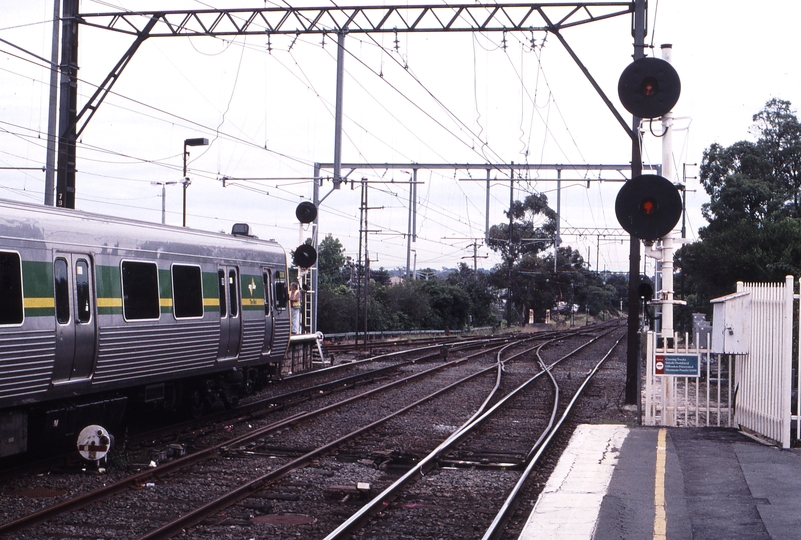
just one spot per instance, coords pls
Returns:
(764, 376)
(751, 391)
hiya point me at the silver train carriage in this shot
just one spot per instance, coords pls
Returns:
(97, 311)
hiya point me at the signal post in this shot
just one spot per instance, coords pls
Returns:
(647, 206)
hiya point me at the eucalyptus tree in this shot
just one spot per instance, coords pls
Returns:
(753, 213)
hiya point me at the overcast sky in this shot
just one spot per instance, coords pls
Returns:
(267, 109)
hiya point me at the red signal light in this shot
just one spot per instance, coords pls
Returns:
(648, 206)
(649, 87)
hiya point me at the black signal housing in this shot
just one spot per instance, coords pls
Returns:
(306, 212)
(304, 256)
(648, 206)
(649, 87)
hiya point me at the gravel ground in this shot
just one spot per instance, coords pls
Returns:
(291, 510)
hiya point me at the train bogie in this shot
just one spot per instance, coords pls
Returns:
(96, 311)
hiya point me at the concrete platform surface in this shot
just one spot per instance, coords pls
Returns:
(618, 482)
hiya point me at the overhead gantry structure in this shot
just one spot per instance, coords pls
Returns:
(550, 17)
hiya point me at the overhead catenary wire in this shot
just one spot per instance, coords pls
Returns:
(419, 82)
(476, 129)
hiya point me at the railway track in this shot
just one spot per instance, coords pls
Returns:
(457, 489)
(233, 444)
(264, 475)
(293, 389)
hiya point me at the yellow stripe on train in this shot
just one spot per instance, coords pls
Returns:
(34, 303)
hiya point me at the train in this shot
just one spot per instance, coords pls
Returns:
(98, 313)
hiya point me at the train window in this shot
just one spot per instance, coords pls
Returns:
(140, 290)
(11, 311)
(232, 289)
(187, 291)
(83, 312)
(223, 303)
(62, 291)
(267, 287)
(281, 295)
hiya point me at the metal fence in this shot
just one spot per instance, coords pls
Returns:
(696, 401)
(751, 391)
(763, 378)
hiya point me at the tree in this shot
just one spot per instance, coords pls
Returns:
(409, 305)
(756, 180)
(433, 304)
(450, 304)
(531, 230)
(483, 298)
(380, 276)
(330, 260)
(780, 139)
(336, 309)
(754, 213)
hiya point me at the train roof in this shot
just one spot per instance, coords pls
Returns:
(76, 228)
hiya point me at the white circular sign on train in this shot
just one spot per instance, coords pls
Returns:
(94, 442)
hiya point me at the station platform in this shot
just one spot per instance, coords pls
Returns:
(618, 482)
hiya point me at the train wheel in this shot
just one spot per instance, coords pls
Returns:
(197, 404)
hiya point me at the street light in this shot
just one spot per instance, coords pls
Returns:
(163, 196)
(190, 142)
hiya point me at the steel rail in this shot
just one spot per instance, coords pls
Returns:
(456, 437)
(109, 490)
(277, 402)
(390, 355)
(199, 514)
(495, 529)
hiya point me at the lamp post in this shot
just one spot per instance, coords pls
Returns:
(190, 142)
(163, 197)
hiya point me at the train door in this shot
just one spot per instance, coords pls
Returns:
(76, 326)
(268, 310)
(230, 314)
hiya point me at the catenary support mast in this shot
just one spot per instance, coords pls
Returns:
(633, 343)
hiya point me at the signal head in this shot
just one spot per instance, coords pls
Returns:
(306, 212)
(649, 87)
(648, 206)
(645, 291)
(304, 256)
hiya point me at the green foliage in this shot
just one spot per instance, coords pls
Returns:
(536, 286)
(450, 303)
(336, 309)
(330, 260)
(410, 307)
(380, 276)
(465, 297)
(483, 298)
(745, 251)
(432, 304)
(754, 213)
(532, 229)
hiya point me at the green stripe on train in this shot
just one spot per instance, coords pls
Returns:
(37, 289)
(109, 290)
(211, 292)
(165, 290)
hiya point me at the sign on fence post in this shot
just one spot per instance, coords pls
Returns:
(685, 365)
